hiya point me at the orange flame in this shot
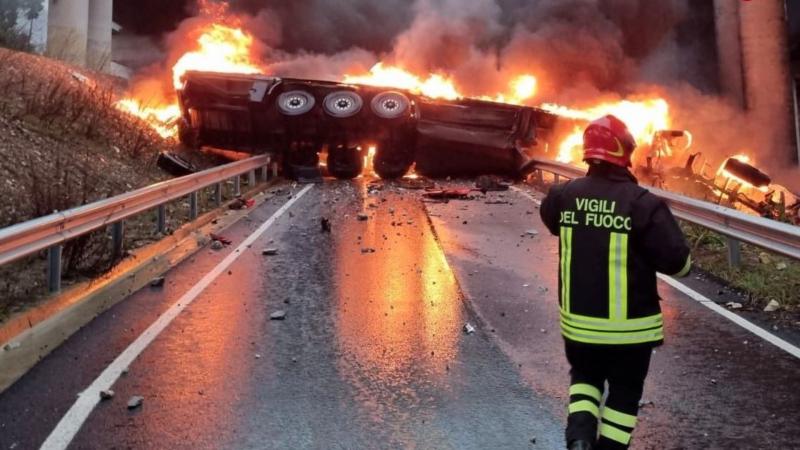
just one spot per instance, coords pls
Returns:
(435, 86)
(221, 49)
(643, 118)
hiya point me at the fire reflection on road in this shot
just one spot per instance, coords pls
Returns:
(400, 314)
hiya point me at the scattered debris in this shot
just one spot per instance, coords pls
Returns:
(531, 233)
(222, 239)
(217, 245)
(781, 266)
(362, 217)
(325, 224)
(241, 203)
(258, 356)
(135, 402)
(278, 315)
(491, 183)
(367, 250)
(449, 194)
(416, 183)
(497, 202)
(468, 328)
(772, 306)
(158, 282)
(764, 258)
(269, 251)
(646, 403)
(106, 395)
(12, 346)
(734, 305)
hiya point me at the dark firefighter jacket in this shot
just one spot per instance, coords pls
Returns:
(614, 236)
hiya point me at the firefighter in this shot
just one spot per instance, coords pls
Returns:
(614, 237)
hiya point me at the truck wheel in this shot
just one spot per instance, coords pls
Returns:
(391, 163)
(345, 163)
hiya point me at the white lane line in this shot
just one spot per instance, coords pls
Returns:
(527, 195)
(708, 303)
(733, 317)
(72, 421)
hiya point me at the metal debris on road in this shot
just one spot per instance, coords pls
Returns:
(491, 183)
(106, 395)
(269, 251)
(221, 239)
(241, 203)
(531, 233)
(217, 245)
(772, 306)
(158, 282)
(325, 225)
(367, 250)
(135, 402)
(362, 217)
(278, 315)
(468, 328)
(449, 194)
(734, 305)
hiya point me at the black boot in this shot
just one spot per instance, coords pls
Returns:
(580, 445)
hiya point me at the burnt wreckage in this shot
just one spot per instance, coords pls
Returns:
(298, 120)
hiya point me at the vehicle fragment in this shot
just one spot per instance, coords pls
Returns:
(135, 402)
(175, 164)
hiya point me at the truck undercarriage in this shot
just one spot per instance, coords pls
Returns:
(299, 120)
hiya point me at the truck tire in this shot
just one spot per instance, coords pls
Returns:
(390, 105)
(295, 103)
(345, 163)
(343, 104)
(391, 164)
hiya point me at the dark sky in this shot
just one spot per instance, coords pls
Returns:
(152, 17)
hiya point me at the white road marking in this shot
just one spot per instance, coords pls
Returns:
(708, 303)
(733, 317)
(74, 419)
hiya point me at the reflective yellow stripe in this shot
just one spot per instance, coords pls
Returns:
(585, 389)
(611, 338)
(566, 265)
(686, 268)
(641, 323)
(618, 276)
(615, 434)
(584, 406)
(619, 418)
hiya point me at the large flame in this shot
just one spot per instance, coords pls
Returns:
(434, 85)
(218, 48)
(643, 118)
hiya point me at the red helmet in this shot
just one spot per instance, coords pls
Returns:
(608, 139)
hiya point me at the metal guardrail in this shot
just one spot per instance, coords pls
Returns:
(51, 232)
(739, 227)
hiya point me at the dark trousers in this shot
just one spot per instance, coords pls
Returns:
(625, 369)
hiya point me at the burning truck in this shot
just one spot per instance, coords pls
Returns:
(353, 125)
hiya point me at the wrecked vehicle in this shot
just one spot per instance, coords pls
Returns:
(299, 120)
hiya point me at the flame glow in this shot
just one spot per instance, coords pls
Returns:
(162, 119)
(220, 49)
(643, 118)
(434, 86)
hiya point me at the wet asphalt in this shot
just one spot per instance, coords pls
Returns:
(371, 354)
(372, 351)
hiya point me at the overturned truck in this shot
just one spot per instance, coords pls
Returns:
(299, 120)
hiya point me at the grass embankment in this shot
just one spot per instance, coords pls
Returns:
(64, 144)
(762, 276)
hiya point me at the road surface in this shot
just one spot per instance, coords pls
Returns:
(372, 351)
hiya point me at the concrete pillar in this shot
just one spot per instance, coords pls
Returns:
(98, 56)
(729, 50)
(768, 93)
(68, 22)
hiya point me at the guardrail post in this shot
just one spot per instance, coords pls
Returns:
(237, 186)
(218, 194)
(251, 179)
(734, 252)
(193, 207)
(161, 223)
(539, 176)
(117, 239)
(556, 178)
(54, 268)
(274, 170)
